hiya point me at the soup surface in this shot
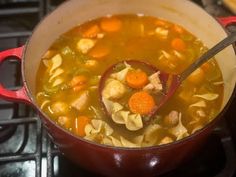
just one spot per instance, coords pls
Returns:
(71, 70)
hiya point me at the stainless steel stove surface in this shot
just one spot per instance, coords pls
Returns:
(26, 150)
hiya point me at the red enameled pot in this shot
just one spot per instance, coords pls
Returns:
(113, 161)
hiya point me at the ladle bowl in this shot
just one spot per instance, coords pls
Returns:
(136, 64)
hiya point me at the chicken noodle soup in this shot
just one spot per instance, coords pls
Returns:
(69, 78)
(123, 86)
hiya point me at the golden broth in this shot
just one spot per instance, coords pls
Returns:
(69, 74)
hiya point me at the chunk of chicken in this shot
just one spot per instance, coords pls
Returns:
(114, 89)
(64, 121)
(81, 102)
(172, 119)
(84, 45)
(59, 108)
(155, 83)
(179, 131)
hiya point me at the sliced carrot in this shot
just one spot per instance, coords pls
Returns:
(78, 88)
(78, 83)
(78, 80)
(80, 123)
(141, 103)
(197, 76)
(91, 32)
(111, 24)
(136, 79)
(99, 51)
(178, 44)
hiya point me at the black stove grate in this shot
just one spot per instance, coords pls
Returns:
(25, 148)
(34, 154)
(19, 156)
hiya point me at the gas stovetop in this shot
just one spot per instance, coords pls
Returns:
(26, 150)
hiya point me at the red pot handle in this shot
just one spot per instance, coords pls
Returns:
(226, 21)
(17, 95)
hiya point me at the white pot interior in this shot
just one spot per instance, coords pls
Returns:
(183, 12)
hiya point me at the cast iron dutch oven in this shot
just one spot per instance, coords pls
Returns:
(114, 161)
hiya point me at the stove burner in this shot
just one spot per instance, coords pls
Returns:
(6, 132)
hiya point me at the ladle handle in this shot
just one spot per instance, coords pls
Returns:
(208, 55)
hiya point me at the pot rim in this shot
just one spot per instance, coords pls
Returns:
(115, 148)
